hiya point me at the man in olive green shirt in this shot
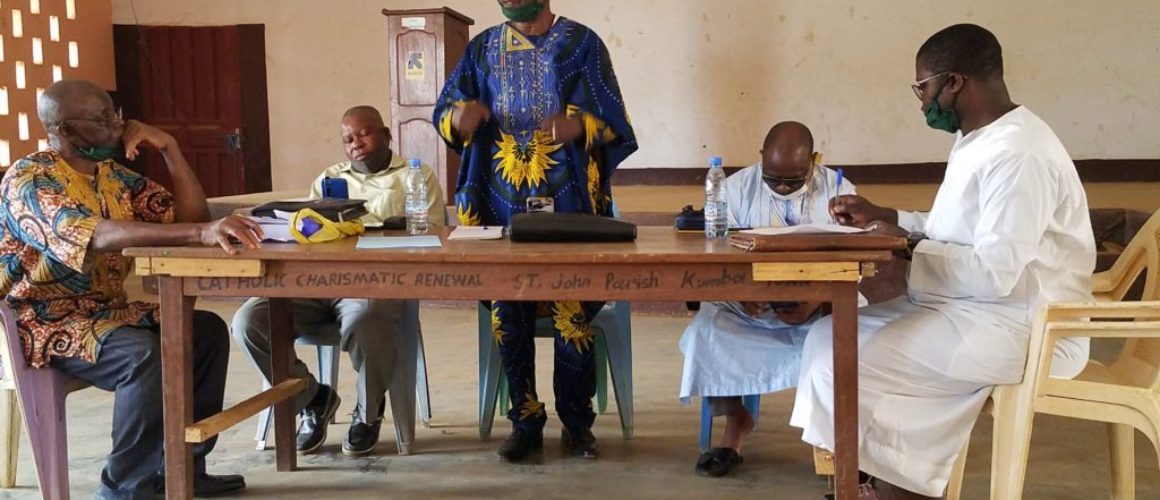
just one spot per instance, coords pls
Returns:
(368, 326)
(380, 181)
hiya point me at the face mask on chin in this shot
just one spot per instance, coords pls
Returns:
(525, 13)
(373, 163)
(96, 153)
(792, 196)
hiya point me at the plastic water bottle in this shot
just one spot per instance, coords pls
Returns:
(716, 206)
(416, 198)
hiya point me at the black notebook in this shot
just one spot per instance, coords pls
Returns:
(565, 227)
(335, 209)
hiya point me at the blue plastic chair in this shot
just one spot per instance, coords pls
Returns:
(408, 382)
(751, 402)
(613, 327)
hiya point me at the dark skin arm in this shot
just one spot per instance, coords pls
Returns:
(116, 235)
(854, 210)
(189, 197)
(191, 211)
(472, 115)
(795, 315)
(469, 117)
(798, 314)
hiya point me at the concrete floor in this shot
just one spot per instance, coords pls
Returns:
(1069, 459)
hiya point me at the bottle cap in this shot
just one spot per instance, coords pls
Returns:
(414, 162)
(715, 161)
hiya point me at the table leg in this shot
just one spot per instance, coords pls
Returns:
(177, 385)
(281, 348)
(846, 390)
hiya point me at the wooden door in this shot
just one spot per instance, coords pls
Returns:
(207, 87)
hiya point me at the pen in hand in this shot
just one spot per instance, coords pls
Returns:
(837, 193)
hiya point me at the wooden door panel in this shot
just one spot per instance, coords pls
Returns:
(190, 85)
(416, 71)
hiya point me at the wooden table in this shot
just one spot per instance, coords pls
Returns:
(661, 265)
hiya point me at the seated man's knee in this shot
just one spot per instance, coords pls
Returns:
(249, 323)
(379, 323)
(141, 350)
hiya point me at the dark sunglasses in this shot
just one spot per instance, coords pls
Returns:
(791, 183)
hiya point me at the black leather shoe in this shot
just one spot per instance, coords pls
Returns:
(206, 485)
(521, 442)
(314, 420)
(361, 438)
(579, 443)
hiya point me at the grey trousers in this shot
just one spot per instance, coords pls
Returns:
(129, 364)
(366, 329)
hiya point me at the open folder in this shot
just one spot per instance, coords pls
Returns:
(815, 242)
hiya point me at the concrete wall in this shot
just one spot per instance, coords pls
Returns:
(26, 25)
(704, 77)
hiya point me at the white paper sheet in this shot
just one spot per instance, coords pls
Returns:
(381, 242)
(806, 229)
(274, 229)
(476, 233)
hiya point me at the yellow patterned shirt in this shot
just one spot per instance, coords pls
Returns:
(67, 298)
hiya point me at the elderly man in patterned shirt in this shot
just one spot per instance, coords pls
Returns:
(66, 214)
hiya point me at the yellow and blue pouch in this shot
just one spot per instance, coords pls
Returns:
(309, 226)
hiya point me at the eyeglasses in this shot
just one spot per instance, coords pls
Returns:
(917, 86)
(104, 121)
(793, 183)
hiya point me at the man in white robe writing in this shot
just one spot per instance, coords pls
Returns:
(733, 349)
(1009, 231)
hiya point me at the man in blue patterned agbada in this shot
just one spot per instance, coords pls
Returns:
(536, 112)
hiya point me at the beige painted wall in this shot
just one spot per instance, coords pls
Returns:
(705, 77)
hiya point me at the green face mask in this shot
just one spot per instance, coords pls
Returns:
(98, 154)
(937, 118)
(523, 14)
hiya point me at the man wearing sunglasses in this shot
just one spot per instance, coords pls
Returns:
(66, 214)
(734, 349)
(1008, 232)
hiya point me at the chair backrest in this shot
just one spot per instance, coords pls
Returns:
(1141, 256)
(1139, 361)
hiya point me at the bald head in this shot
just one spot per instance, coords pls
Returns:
(70, 99)
(788, 153)
(78, 113)
(789, 135)
(366, 138)
(367, 113)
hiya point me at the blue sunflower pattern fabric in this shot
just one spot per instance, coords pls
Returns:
(574, 376)
(524, 80)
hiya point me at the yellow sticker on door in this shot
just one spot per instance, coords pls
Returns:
(416, 67)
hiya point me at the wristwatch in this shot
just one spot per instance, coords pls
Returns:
(912, 241)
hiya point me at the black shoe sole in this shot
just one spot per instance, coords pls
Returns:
(349, 453)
